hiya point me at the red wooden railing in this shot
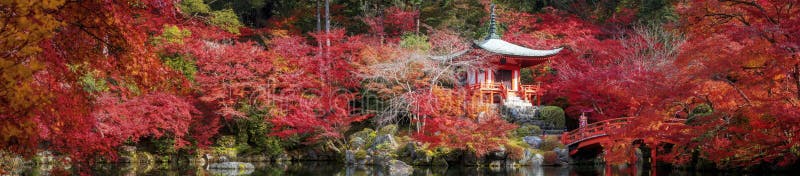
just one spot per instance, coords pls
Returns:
(601, 128)
(530, 89)
(498, 88)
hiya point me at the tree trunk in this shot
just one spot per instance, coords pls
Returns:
(319, 27)
(327, 22)
(797, 79)
(319, 18)
(418, 16)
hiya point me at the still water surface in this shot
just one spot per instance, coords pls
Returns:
(333, 168)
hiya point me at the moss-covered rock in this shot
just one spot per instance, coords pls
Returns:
(360, 154)
(367, 134)
(388, 129)
(421, 156)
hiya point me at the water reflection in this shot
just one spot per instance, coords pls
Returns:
(333, 168)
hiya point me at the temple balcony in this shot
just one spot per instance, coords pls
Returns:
(489, 92)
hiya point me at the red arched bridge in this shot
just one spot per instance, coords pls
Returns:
(598, 133)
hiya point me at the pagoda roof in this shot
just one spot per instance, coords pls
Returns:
(499, 46)
(494, 44)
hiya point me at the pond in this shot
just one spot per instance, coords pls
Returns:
(334, 168)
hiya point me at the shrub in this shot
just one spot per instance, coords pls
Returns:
(171, 34)
(527, 130)
(227, 20)
(192, 7)
(226, 141)
(181, 64)
(550, 157)
(251, 132)
(553, 115)
(515, 151)
(415, 42)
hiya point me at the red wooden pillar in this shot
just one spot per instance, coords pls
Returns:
(538, 100)
(653, 151)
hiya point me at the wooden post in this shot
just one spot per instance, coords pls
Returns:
(653, 160)
(491, 97)
(538, 100)
(653, 150)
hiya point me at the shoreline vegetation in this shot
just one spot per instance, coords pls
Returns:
(226, 84)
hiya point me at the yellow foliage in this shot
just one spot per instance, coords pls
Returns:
(25, 24)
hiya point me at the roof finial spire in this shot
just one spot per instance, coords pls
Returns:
(492, 25)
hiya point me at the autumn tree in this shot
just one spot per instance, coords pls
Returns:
(744, 56)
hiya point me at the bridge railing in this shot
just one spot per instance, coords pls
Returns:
(602, 128)
(592, 130)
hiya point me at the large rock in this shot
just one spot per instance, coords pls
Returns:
(421, 157)
(500, 153)
(357, 157)
(398, 168)
(357, 143)
(378, 156)
(537, 160)
(533, 141)
(563, 156)
(384, 142)
(526, 157)
(350, 157)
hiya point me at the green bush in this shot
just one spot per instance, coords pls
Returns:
(192, 7)
(164, 146)
(527, 130)
(251, 132)
(226, 141)
(182, 64)
(227, 20)
(415, 42)
(171, 34)
(553, 115)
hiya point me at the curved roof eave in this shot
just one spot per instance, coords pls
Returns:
(505, 48)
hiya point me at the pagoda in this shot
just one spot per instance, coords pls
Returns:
(499, 82)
